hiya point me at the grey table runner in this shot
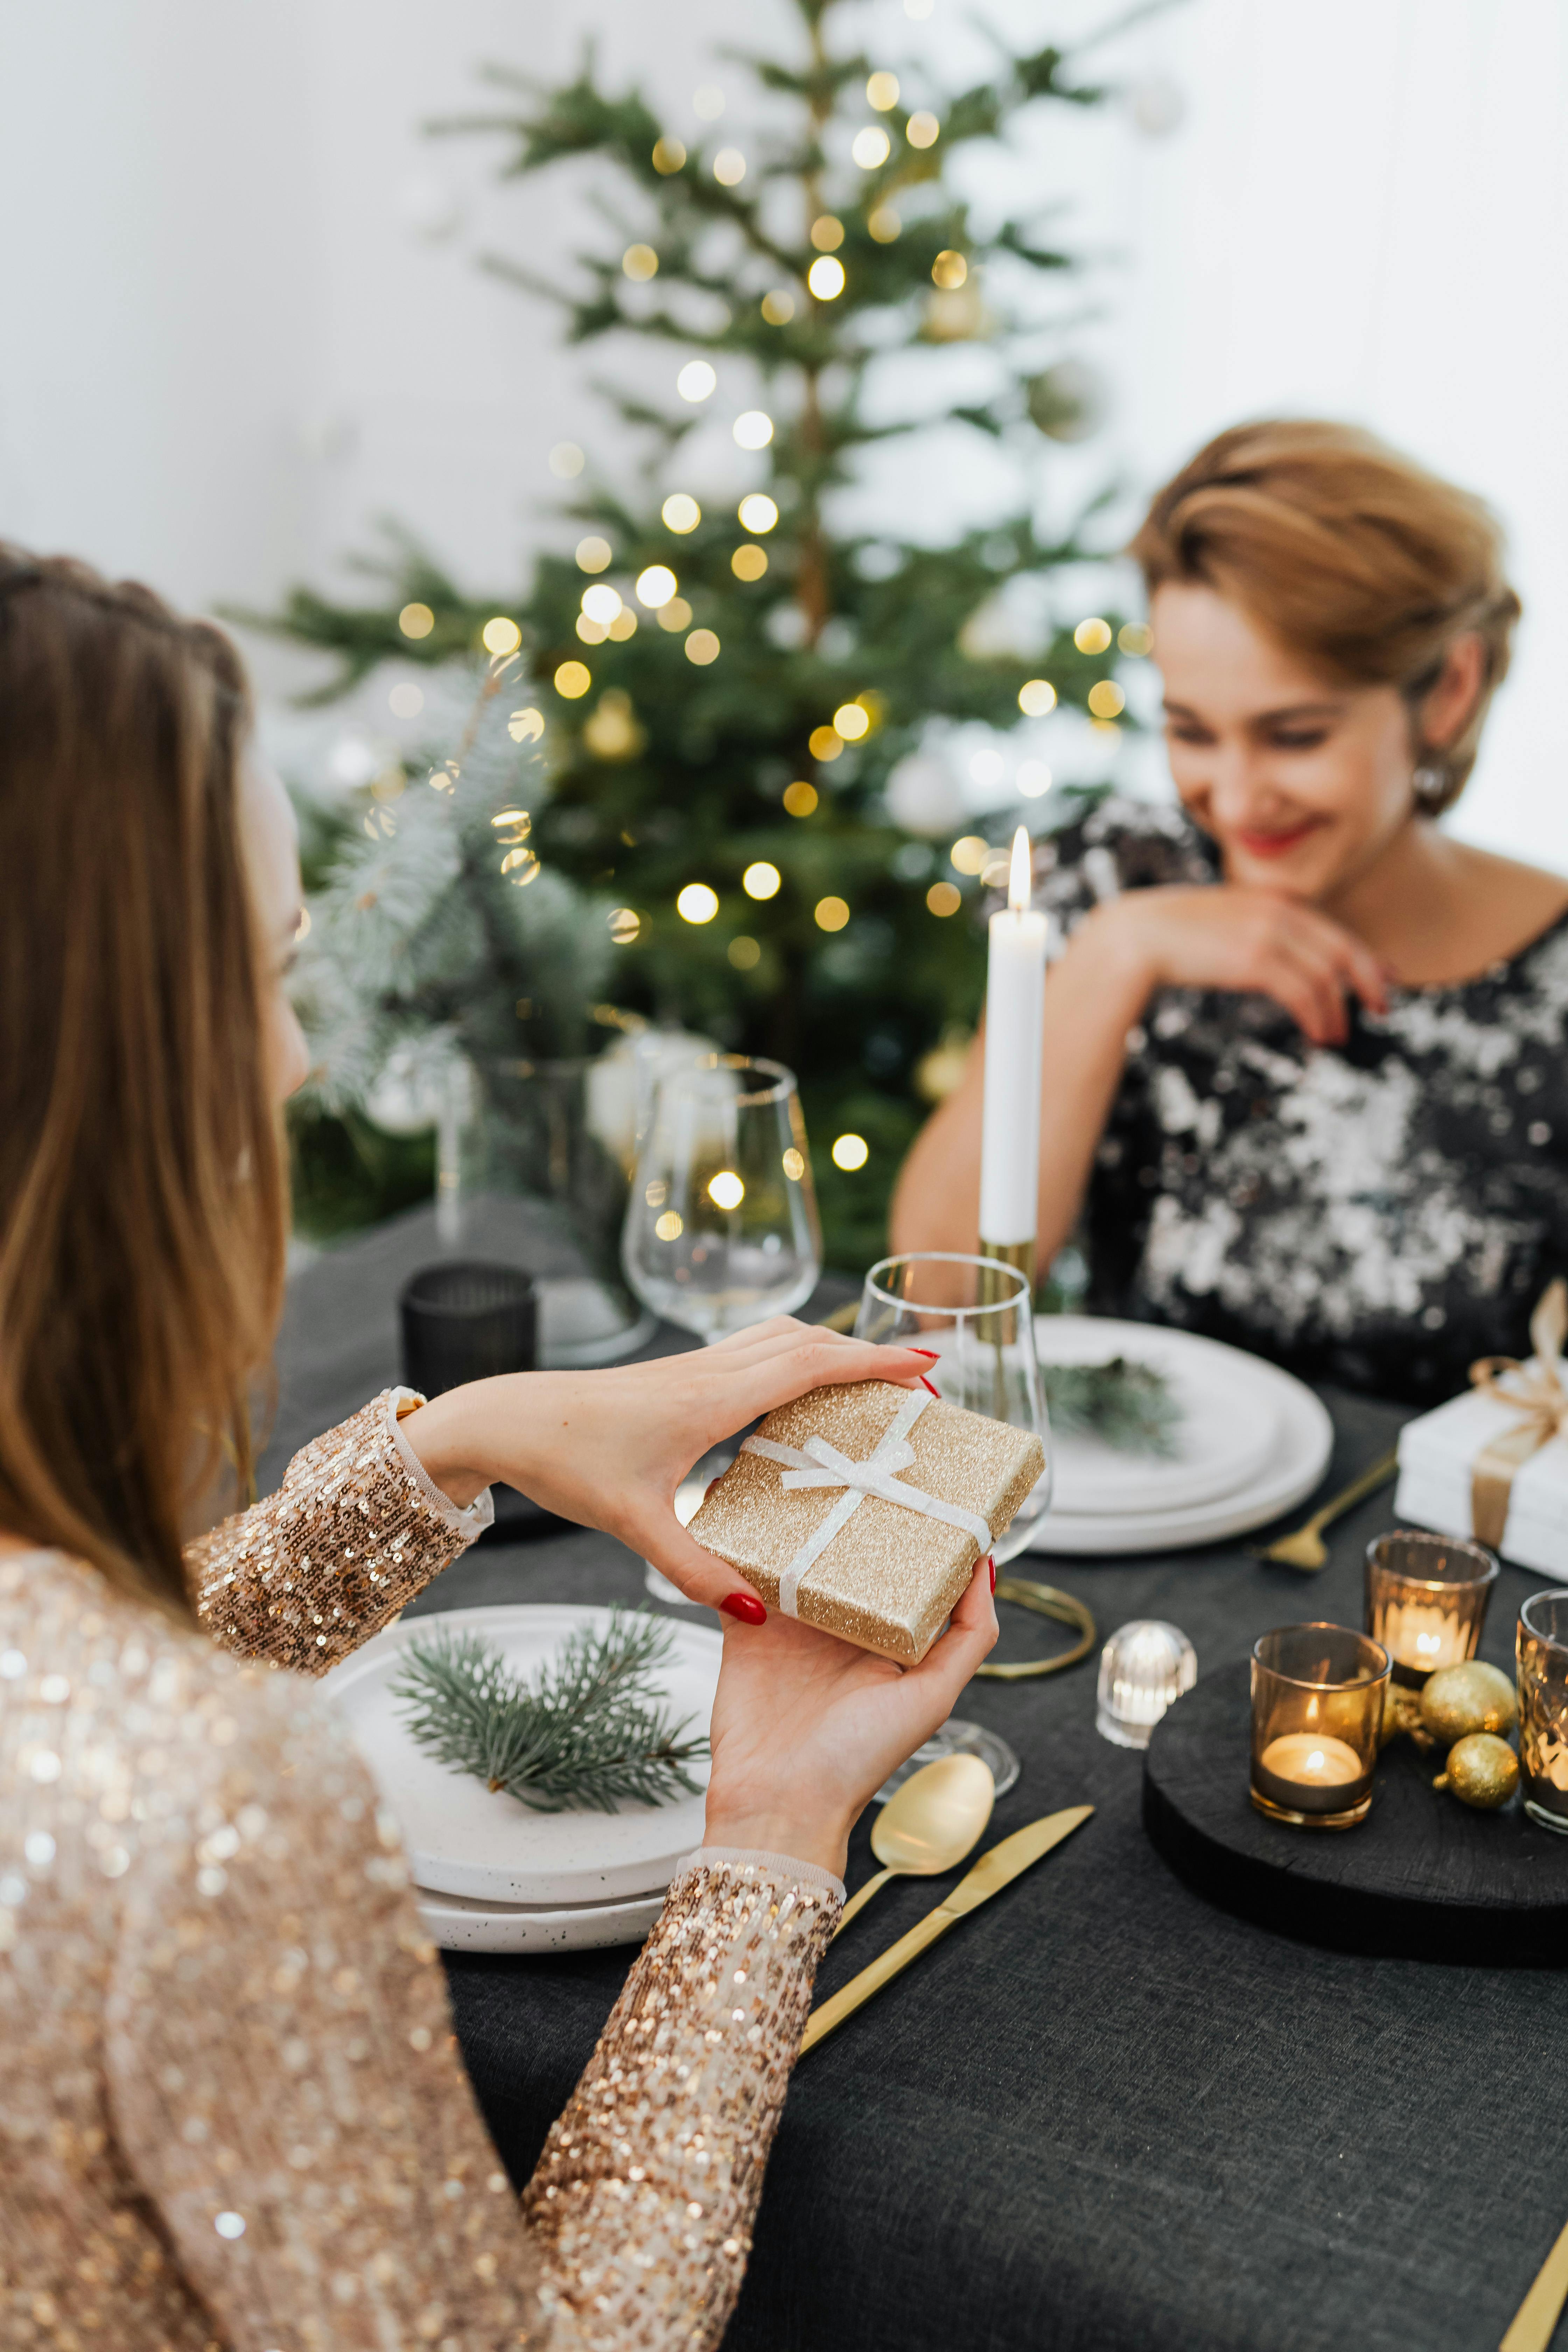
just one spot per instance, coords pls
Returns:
(1101, 2116)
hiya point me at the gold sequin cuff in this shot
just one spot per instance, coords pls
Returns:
(644, 2198)
(780, 1865)
(349, 1538)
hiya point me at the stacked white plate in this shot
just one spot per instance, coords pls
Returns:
(1251, 1442)
(490, 1875)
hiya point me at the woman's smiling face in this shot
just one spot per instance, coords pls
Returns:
(1301, 782)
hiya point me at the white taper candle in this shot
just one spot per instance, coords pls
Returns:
(1010, 1130)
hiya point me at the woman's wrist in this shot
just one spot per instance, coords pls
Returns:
(823, 1842)
(1113, 943)
(443, 1434)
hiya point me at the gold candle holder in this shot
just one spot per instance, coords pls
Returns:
(1541, 1643)
(1316, 1712)
(1426, 1601)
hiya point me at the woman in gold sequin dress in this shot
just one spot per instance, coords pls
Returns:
(233, 2113)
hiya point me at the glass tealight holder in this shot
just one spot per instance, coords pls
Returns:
(1317, 1713)
(1142, 1667)
(1426, 1601)
(1540, 1640)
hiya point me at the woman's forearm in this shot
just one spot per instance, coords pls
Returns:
(1094, 995)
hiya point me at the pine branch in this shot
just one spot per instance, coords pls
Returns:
(589, 1732)
(1127, 1403)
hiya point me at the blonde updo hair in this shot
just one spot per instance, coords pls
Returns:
(1350, 554)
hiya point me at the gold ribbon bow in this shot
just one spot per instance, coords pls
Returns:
(1536, 1392)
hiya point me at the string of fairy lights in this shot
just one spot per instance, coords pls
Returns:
(609, 615)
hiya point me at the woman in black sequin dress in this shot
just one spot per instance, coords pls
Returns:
(1304, 1082)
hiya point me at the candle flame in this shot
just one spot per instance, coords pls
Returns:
(1020, 881)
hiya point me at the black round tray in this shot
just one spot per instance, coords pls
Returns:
(1423, 1877)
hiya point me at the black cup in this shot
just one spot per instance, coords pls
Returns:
(465, 1320)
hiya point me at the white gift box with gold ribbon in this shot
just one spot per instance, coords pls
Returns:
(1493, 1464)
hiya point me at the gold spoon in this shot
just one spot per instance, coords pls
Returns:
(927, 1826)
(1306, 1548)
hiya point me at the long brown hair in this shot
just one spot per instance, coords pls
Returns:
(142, 1186)
(1350, 554)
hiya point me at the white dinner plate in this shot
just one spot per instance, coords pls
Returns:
(460, 1926)
(1298, 1456)
(464, 1839)
(1228, 1429)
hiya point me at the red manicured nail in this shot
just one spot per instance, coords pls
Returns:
(926, 1385)
(746, 1606)
(925, 1351)
(991, 1564)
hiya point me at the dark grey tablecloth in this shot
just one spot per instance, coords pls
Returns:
(1100, 2117)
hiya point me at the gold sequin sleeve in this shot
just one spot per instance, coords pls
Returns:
(355, 1530)
(642, 2202)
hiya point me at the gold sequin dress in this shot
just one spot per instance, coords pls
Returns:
(232, 2109)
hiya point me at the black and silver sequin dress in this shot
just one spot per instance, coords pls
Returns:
(1378, 1213)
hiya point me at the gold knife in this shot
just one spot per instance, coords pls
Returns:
(1535, 2322)
(991, 1874)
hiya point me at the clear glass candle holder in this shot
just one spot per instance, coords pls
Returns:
(1426, 1601)
(1317, 1713)
(1541, 1641)
(1144, 1668)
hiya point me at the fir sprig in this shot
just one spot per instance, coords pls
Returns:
(588, 1731)
(1127, 1403)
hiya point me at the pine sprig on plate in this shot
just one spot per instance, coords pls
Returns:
(1127, 1403)
(587, 1731)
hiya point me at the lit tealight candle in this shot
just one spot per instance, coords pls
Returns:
(1423, 1638)
(1310, 1772)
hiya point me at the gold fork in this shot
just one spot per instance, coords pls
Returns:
(1306, 1548)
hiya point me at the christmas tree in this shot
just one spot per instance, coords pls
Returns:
(720, 694)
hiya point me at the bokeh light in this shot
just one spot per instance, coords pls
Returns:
(850, 1152)
(969, 854)
(500, 635)
(761, 880)
(1092, 636)
(1137, 639)
(757, 512)
(941, 898)
(753, 429)
(640, 263)
(949, 270)
(922, 130)
(882, 92)
(800, 799)
(601, 602)
(573, 679)
(826, 278)
(884, 224)
(825, 743)
(745, 953)
(655, 586)
(729, 167)
(416, 620)
(702, 648)
(1035, 697)
(778, 307)
(697, 903)
(566, 461)
(681, 512)
(594, 553)
(831, 914)
(827, 233)
(1106, 700)
(669, 156)
(1033, 779)
(726, 1190)
(625, 925)
(696, 379)
(749, 563)
(851, 722)
(872, 147)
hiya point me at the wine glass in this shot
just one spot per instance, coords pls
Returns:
(975, 1315)
(721, 1228)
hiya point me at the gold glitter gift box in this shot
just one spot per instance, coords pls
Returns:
(810, 1511)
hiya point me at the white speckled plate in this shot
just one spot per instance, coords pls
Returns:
(463, 1839)
(460, 1926)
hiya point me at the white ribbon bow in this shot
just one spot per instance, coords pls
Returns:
(822, 1464)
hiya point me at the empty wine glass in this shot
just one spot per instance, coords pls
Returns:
(722, 1229)
(976, 1315)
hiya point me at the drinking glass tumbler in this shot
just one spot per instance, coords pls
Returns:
(1426, 1601)
(722, 1229)
(1317, 1717)
(1540, 1640)
(465, 1320)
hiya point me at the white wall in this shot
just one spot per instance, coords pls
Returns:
(226, 349)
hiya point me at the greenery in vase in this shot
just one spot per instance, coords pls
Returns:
(745, 728)
(589, 1731)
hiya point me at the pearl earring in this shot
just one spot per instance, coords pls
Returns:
(1431, 785)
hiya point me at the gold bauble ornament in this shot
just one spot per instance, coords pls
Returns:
(1482, 1771)
(1402, 1713)
(1460, 1700)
